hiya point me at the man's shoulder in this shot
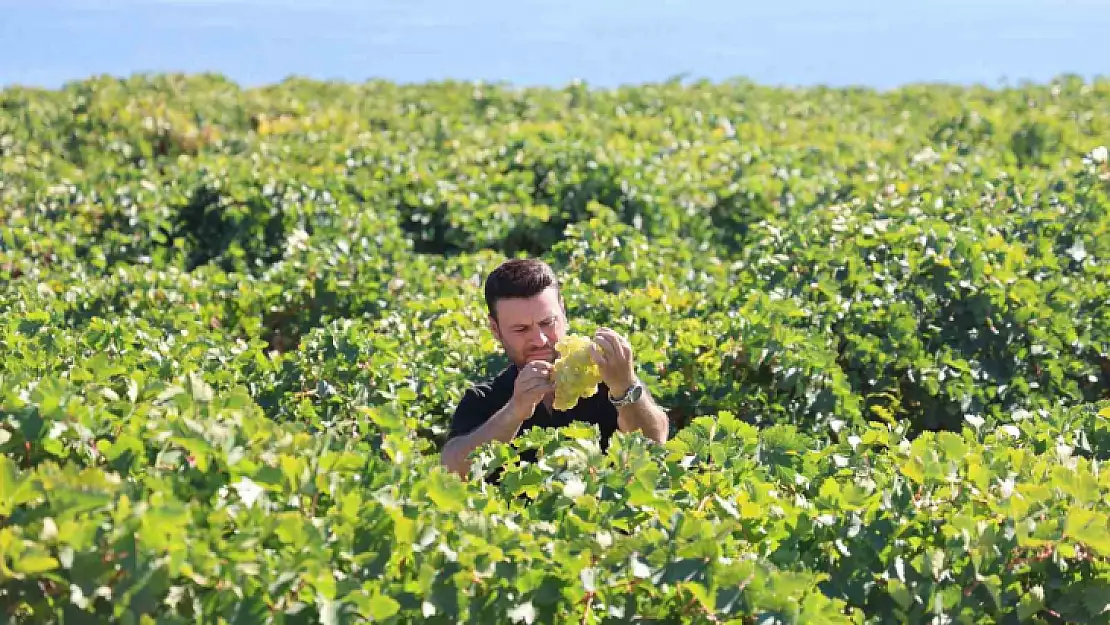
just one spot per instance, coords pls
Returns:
(492, 384)
(482, 399)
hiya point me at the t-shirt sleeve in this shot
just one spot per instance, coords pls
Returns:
(474, 409)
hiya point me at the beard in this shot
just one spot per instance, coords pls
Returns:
(522, 358)
(541, 354)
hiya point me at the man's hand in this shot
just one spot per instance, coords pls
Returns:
(533, 382)
(613, 355)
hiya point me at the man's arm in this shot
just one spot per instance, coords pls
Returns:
(532, 383)
(644, 415)
(613, 355)
(502, 426)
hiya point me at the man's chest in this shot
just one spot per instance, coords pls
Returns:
(586, 411)
(595, 409)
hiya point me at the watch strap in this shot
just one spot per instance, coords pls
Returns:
(626, 398)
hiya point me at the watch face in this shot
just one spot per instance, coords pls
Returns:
(635, 393)
(631, 396)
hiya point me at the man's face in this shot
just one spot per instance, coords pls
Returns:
(529, 328)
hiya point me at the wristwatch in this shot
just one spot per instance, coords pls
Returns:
(631, 396)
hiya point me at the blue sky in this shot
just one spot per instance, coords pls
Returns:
(866, 42)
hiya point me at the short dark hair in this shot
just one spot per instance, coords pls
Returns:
(518, 277)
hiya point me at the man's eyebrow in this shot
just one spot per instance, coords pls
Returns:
(528, 325)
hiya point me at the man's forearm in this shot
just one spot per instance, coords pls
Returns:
(646, 416)
(502, 426)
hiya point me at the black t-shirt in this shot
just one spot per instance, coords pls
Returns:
(483, 400)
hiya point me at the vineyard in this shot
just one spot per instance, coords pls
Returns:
(234, 324)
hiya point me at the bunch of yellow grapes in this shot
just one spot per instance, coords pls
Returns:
(576, 373)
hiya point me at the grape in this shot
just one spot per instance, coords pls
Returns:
(576, 373)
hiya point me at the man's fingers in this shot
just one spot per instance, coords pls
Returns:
(608, 345)
(528, 386)
(597, 354)
(536, 383)
(621, 345)
(612, 334)
(538, 369)
(601, 344)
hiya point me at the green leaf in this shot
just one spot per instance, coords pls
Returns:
(701, 593)
(8, 486)
(913, 470)
(952, 445)
(1096, 598)
(384, 418)
(579, 431)
(855, 497)
(35, 563)
(125, 443)
(1077, 482)
(1091, 528)
(325, 584)
(250, 609)
(237, 400)
(1031, 603)
(383, 607)
(445, 491)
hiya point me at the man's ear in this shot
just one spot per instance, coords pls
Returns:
(493, 327)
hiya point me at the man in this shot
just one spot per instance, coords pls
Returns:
(528, 317)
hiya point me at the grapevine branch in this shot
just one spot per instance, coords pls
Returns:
(589, 604)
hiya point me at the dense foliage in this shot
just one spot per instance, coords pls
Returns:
(234, 323)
